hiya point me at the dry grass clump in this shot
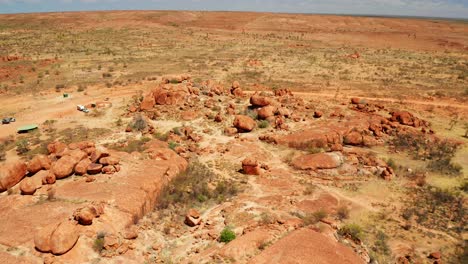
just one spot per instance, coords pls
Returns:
(197, 185)
(438, 152)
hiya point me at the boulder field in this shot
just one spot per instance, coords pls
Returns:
(54, 217)
(89, 202)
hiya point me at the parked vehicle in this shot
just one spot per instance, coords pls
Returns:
(82, 108)
(8, 120)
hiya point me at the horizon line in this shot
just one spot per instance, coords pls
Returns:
(241, 11)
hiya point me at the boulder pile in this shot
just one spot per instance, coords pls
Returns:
(57, 239)
(63, 161)
(11, 173)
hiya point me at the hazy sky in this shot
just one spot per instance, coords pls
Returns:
(438, 8)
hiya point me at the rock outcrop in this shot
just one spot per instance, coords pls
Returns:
(11, 173)
(244, 123)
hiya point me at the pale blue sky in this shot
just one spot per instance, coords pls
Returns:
(435, 8)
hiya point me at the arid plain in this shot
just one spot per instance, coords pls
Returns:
(230, 137)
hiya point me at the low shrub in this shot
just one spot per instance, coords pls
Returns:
(22, 146)
(106, 75)
(263, 124)
(130, 145)
(195, 179)
(434, 207)
(98, 244)
(353, 231)
(138, 123)
(342, 212)
(227, 235)
(161, 136)
(438, 151)
(173, 145)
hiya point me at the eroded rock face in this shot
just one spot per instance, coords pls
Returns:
(318, 161)
(99, 153)
(260, 101)
(29, 185)
(109, 161)
(283, 92)
(63, 167)
(354, 138)
(85, 215)
(57, 239)
(82, 167)
(94, 168)
(147, 103)
(304, 245)
(407, 119)
(250, 166)
(48, 177)
(192, 218)
(56, 147)
(42, 238)
(266, 112)
(11, 173)
(170, 95)
(38, 163)
(244, 123)
(236, 89)
(64, 238)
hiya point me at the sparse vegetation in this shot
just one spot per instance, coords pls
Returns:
(138, 123)
(22, 146)
(227, 235)
(98, 244)
(342, 212)
(352, 231)
(263, 124)
(82, 60)
(135, 145)
(439, 152)
(434, 207)
(196, 179)
(173, 145)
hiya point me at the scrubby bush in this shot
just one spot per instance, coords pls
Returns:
(173, 145)
(161, 136)
(439, 152)
(342, 212)
(177, 131)
(434, 207)
(392, 164)
(380, 250)
(130, 145)
(81, 88)
(263, 124)
(266, 219)
(195, 179)
(227, 235)
(353, 231)
(445, 166)
(251, 113)
(138, 123)
(98, 244)
(22, 146)
(312, 218)
(319, 215)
